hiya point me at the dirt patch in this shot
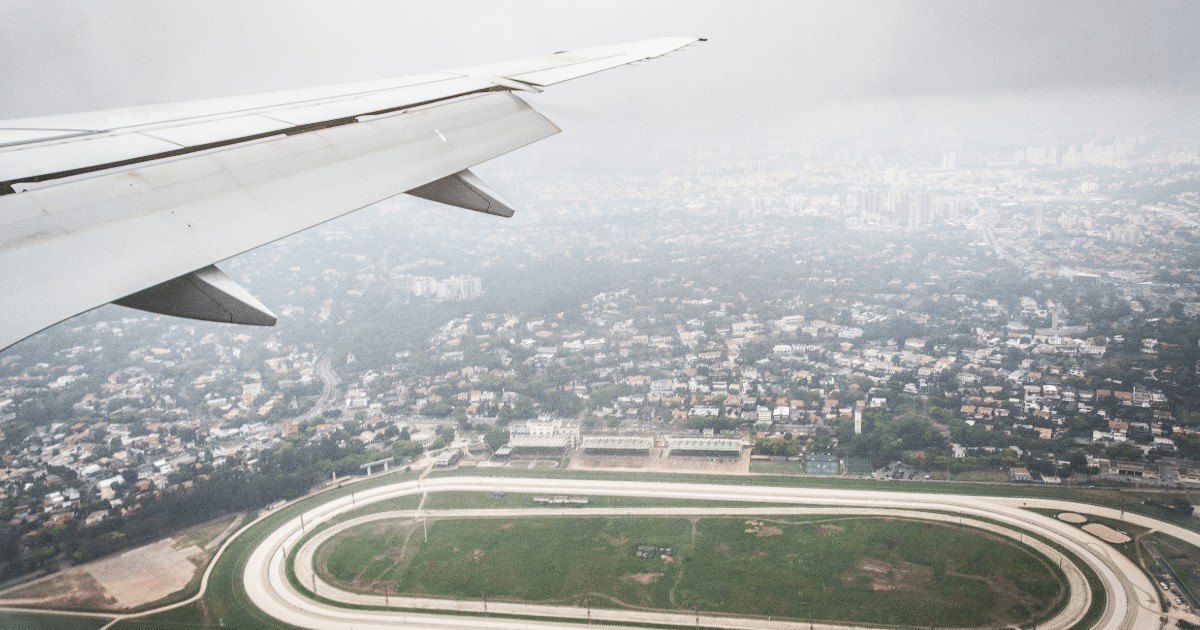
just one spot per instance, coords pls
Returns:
(887, 576)
(825, 530)
(644, 578)
(762, 531)
(1071, 517)
(505, 527)
(133, 578)
(614, 541)
(73, 588)
(477, 556)
(145, 574)
(1106, 533)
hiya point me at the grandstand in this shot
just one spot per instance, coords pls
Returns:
(617, 445)
(705, 447)
(539, 445)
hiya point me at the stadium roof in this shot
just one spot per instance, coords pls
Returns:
(539, 441)
(689, 444)
(617, 443)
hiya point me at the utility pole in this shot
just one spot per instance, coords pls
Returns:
(303, 528)
(386, 602)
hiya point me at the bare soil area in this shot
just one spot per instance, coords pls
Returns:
(73, 588)
(1071, 517)
(887, 576)
(644, 578)
(147, 573)
(130, 579)
(1106, 533)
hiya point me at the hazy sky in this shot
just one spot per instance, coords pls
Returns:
(793, 68)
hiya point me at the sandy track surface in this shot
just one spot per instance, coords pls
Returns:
(1132, 601)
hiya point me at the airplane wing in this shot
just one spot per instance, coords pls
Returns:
(135, 206)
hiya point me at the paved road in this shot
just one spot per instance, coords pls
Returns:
(329, 380)
(1132, 602)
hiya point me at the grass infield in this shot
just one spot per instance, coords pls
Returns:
(890, 572)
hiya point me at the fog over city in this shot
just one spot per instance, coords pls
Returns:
(864, 314)
(785, 72)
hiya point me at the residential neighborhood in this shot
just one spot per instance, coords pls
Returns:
(998, 315)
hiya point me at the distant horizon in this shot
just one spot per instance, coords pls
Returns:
(771, 73)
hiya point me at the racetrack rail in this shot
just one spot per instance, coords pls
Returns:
(1131, 603)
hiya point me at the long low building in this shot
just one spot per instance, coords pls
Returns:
(617, 445)
(539, 445)
(705, 446)
(447, 458)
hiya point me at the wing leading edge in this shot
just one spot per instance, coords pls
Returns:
(135, 206)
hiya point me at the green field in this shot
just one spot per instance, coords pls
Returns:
(881, 571)
(767, 467)
(33, 621)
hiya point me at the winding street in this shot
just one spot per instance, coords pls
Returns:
(329, 380)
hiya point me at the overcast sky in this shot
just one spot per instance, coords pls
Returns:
(795, 69)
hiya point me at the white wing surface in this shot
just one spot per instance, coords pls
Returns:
(135, 205)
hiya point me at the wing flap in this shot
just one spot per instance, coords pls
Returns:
(208, 131)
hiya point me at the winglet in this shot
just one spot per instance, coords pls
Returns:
(207, 294)
(464, 190)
